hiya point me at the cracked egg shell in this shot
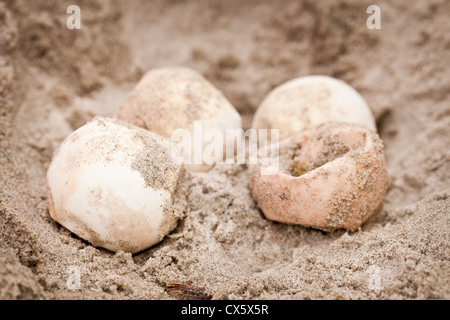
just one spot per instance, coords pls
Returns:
(171, 98)
(330, 177)
(116, 186)
(306, 102)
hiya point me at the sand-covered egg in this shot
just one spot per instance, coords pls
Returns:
(305, 102)
(330, 177)
(116, 186)
(172, 98)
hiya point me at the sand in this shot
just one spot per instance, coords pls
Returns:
(53, 80)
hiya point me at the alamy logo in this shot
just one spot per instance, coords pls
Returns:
(74, 20)
(74, 278)
(374, 20)
(208, 146)
(374, 279)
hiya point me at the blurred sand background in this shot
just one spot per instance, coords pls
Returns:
(53, 80)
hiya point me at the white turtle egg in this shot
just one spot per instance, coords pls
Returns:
(173, 98)
(116, 186)
(306, 102)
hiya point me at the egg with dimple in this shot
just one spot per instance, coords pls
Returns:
(333, 176)
(172, 98)
(305, 102)
(116, 186)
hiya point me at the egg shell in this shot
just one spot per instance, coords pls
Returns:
(342, 181)
(306, 102)
(116, 186)
(171, 98)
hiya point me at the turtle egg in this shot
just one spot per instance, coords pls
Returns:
(172, 98)
(116, 186)
(305, 102)
(333, 176)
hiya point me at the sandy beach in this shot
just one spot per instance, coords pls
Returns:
(53, 80)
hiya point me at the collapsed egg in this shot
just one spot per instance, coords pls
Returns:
(116, 186)
(330, 177)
